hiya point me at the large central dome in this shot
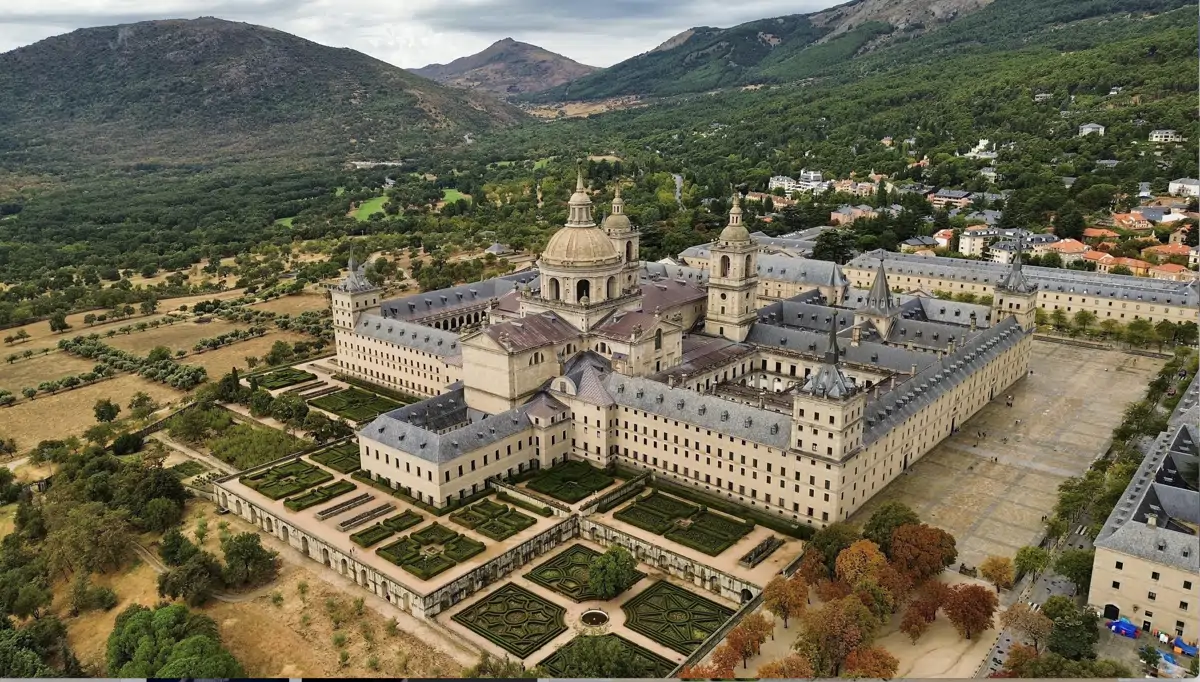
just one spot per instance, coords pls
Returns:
(580, 242)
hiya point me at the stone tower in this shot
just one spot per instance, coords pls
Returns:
(1015, 296)
(352, 297)
(732, 280)
(827, 411)
(880, 308)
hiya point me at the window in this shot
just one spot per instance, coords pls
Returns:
(1183, 606)
(1187, 584)
(1151, 596)
(1116, 585)
(1120, 565)
(1154, 575)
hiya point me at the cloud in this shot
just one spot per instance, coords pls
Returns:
(413, 33)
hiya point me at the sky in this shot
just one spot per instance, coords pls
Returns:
(413, 33)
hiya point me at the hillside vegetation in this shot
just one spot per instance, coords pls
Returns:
(507, 68)
(181, 91)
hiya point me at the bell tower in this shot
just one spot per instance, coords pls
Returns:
(732, 280)
(1015, 296)
(827, 411)
(352, 297)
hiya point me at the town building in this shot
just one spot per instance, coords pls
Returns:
(1068, 250)
(1147, 563)
(1162, 136)
(951, 197)
(1184, 187)
(1119, 297)
(1173, 272)
(1091, 129)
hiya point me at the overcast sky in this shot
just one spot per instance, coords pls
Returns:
(412, 33)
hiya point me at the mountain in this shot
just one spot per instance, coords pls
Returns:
(765, 50)
(507, 68)
(208, 88)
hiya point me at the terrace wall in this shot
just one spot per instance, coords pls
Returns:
(697, 573)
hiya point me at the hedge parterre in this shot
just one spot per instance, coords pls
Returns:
(286, 479)
(570, 481)
(567, 573)
(674, 617)
(515, 619)
(647, 663)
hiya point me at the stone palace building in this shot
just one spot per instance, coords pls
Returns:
(783, 387)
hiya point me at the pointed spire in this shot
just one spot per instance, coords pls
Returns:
(1015, 280)
(579, 180)
(618, 204)
(735, 213)
(580, 205)
(828, 381)
(832, 353)
(879, 299)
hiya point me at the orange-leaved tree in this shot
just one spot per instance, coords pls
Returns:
(861, 560)
(922, 551)
(970, 608)
(786, 597)
(793, 666)
(999, 571)
(870, 661)
(1034, 625)
(832, 631)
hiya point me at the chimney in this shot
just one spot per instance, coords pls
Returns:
(912, 370)
(973, 322)
(1152, 520)
(893, 386)
(762, 400)
(671, 380)
(855, 336)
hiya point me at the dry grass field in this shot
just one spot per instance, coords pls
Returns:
(178, 336)
(294, 305)
(293, 639)
(69, 413)
(218, 362)
(32, 371)
(7, 512)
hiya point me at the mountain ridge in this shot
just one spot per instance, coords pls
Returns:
(507, 68)
(185, 89)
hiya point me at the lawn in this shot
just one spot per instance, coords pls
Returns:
(286, 222)
(368, 207)
(685, 523)
(452, 195)
(674, 617)
(647, 663)
(570, 481)
(282, 378)
(567, 573)
(355, 404)
(342, 458)
(287, 479)
(515, 619)
(178, 336)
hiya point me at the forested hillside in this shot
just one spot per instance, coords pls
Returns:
(179, 91)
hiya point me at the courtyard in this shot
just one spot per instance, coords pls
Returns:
(991, 492)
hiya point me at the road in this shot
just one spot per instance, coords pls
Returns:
(1046, 585)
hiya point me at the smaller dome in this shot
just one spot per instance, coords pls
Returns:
(617, 222)
(735, 231)
(579, 246)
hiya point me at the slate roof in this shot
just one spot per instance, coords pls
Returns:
(531, 331)
(418, 306)
(810, 342)
(701, 352)
(803, 270)
(410, 429)
(355, 281)
(408, 335)
(879, 299)
(1124, 287)
(652, 272)
(731, 418)
(545, 406)
(670, 293)
(622, 325)
(829, 381)
(893, 407)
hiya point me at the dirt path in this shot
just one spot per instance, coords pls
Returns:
(155, 563)
(211, 461)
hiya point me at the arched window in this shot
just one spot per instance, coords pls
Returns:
(724, 266)
(657, 339)
(555, 293)
(628, 252)
(747, 272)
(583, 289)
(611, 288)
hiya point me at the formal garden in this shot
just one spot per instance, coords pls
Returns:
(674, 617)
(647, 663)
(386, 528)
(427, 552)
(282, 378)
(493, 520)
(570, 481)
(286, 479)
(567, 574)
(188, 469)
(515, 619)
(688, 524)
(355, 404)
(342, 458)
(319, 495)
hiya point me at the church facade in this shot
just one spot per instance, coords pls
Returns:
(804, 406)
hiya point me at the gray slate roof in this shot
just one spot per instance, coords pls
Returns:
(803, 270)
(733, 419)
(408, 335)
(418, 306)
(410, 430)
(810, 342)
(1123, 287)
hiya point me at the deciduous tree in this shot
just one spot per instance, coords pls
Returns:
(832, 631)
(922, 551)
(792, 666)
(884, 522)
(862, 560)
(1076, 565)
(106, 410)
(786, 597)
(1032, 560)
(831, 540)
(970, 608)
(1032, 625)
(997, 570)
(871, 661)
(247, 562)
(611, 572)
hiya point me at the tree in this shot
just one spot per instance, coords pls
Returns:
(970, 608)
(1024, 662)
(1076, 565)
(1031, 559)
(1084, 319)
(1120, 270)
(742, 641)
(830, 541)
(1076, 629)
(160, 514)
(786, 597)
(862, 560)
(31, 599)
(90, 537)
(494, 667)
(1149, 655)
(167, 641)
(290, 409)
(834, 245)
(247, 562)
(885, 520)
(195, 580)
(58, 323)
(871, 661)
(106, 410)
(812, 566)
(596, 656)
(175, 549)
(610, 573)
(281, 352)
(792, 666)
(149, 306)
(141, 405)
(997, 570)
(832, 631)
(922, 551)
(1069, 223)
(1032, 625)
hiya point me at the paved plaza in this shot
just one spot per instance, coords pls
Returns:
(992, 492)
